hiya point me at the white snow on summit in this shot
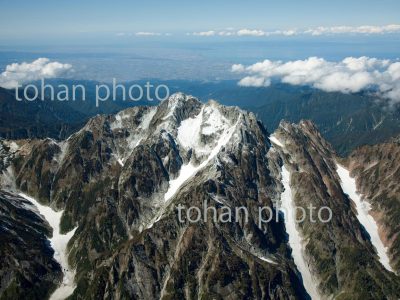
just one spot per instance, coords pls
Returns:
(189, 170)
(209, 122)
(214, 121)
(189, 132)
(175, 101)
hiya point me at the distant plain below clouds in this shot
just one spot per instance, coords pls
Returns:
(351, 75)
(317, 31)
(20, 73)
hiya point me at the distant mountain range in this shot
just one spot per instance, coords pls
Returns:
(24, 119)
(345, 120)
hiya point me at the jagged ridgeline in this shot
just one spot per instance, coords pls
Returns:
(116, 185)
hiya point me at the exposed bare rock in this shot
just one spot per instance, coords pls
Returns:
(122, 179)
(338, 252)
(27, 267)
(377, 172)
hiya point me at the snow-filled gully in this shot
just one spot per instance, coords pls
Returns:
(366, 220)
(295, 239)
(59, 243)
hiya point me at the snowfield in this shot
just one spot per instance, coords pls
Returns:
(363, 216)
(273, 139)
(295, 240)
(188, 171)
(59, 243)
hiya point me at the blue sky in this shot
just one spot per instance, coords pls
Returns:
(192, 39)
(49, 19)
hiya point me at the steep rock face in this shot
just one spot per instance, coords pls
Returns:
(27, 267)
(338, 252)
(377, 173)
(166, 258)
(170, 259)
(121, 178)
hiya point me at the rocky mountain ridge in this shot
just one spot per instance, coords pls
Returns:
(121, 177)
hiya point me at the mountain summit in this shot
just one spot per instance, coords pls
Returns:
(121, 181)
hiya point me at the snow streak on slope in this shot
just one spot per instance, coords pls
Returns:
(201, 132)
(175, 101)
(187, 171)
(295, 240)
(59, 244)
(363, 216)
(268, 260)
(273, 139)
(7, 179)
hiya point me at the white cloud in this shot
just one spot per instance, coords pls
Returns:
(226, 33)
(251, 32)
(41, 68)
(145, 33)
(238, 68)
(366, 29)
(287, 32)
(350, 75)
(124, 34)
(317, 31)
(246, 32)
(204, 33)
(254, 81)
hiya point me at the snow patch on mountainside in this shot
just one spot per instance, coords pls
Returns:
(209, 122)
(189, 132)
(363, 215)
(174, 102)
(214, 120)
(59, 243)
(147, 118)
(136, 135)
(63, 151)
(295, 240)
(273, 139)
(119, 160)
(13, 146)
(268, 260)
(7, 180)
(187, 171)
(119, 117)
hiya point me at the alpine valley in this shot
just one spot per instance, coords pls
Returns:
(93, 214)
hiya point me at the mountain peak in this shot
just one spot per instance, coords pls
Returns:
(121, 178)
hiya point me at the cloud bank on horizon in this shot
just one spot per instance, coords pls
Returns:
(16, 73)
(317, 31)
(351, 75)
